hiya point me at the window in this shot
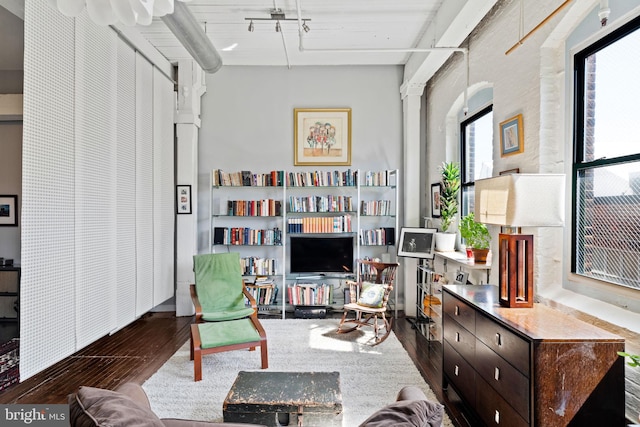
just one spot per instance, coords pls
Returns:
(477, 154)
(606, 168)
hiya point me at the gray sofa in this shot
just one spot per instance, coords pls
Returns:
(129, 406)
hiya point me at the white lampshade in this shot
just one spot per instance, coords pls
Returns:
(521, 200)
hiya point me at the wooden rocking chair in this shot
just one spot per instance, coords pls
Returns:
(368, 299)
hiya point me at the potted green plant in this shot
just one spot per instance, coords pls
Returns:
(450, 188)
(476, 236)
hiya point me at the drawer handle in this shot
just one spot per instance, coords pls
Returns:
(496, 374)
(456, 311)
(496, 417)
(498, 339)
(455, 370)
(457, 336)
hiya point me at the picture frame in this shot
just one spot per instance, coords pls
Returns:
(9, 210)
(417, 242)
(510, 171)
(436, 189)
(511, 136)
(322, 136)
(461, 277)
(183, 199)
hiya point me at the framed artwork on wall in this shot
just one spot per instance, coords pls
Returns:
(435, 200)
(183, 199)
(322, 136)
(9, 211)
(511, 136)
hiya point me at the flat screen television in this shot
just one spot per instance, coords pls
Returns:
(321, 254)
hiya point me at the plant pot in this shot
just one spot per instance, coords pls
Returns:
(445, 242)
(480, 255)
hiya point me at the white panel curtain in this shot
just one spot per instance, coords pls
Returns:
(95, 164)
(126, 186)
(164, 193)
(47, 294)
(144, 184)
(90, 198)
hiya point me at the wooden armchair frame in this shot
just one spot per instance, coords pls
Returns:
(196, 350)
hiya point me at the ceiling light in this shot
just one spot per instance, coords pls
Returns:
(278, 16)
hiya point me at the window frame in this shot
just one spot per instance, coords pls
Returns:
(465, 182)
(579, 163)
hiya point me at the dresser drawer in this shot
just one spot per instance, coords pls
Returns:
(459, 338)
(460, 312)
(493, 409)
(505, 343)
(459, 373)
(504, 378)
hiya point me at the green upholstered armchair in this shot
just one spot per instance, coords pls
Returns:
(223, 320)
(219, 292)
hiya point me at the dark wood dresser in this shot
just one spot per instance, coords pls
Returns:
(529, 366)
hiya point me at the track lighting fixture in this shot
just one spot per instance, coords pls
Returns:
(278, 16)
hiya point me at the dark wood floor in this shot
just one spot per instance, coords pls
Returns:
(140, 349)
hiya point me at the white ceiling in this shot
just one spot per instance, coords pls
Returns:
(334, 24)
(342, 32)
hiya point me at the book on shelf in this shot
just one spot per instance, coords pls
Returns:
(274, 178)
(310, 294)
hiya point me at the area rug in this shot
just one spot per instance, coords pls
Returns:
(370, 376)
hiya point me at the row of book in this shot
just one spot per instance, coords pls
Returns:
(326, 224)
(264, 207)
(375, 207)
(310, 294)
(276, 178)
(273, 178)
(381, 178)
(252, 266)
(264, 294)
(347, 178)
(246, 236)
(384, 236)
(328, 203)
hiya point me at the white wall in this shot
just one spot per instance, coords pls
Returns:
(247, 120)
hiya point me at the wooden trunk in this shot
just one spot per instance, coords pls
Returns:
(285, 398)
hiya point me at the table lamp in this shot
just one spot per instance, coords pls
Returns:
(519, 200)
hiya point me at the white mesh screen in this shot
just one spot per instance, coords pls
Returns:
(126, 186)
(144, 184)
(96, 59)
(47, 310)
(164, 195)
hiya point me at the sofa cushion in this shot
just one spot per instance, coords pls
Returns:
(407, 413)
(98, 407)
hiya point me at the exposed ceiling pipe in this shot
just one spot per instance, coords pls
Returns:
(188, 31)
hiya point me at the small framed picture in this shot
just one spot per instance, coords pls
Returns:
(183, 199)
(511, 136)
(417, 242)
(435, 200)
(461, 277)
(9, 211)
